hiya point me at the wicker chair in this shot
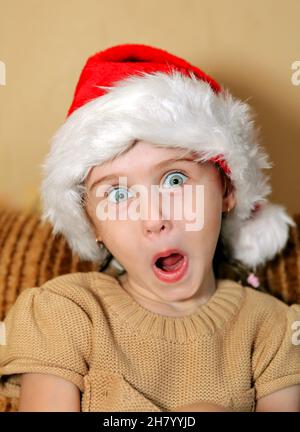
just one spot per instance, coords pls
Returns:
(30, 255)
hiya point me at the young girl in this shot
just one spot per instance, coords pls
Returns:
(154, 169)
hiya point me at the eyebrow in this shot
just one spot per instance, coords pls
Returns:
(159, 165)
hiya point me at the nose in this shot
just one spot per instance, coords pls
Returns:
(154, 222)
(154, 228)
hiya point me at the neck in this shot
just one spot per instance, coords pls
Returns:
(176, 308)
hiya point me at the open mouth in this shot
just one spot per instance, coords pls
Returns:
(170, 266)
(169, 263)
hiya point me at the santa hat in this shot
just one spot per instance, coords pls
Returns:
(136, 92)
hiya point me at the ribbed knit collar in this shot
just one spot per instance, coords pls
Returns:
(205, 320)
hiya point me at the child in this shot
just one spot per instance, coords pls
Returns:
(155, 329)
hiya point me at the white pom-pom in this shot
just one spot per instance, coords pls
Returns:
(256, 240)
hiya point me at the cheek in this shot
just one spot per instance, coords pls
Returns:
(212, 228)
(204, 206)
(119, 238)
(213, 205)
(114, 232)
(205, 239)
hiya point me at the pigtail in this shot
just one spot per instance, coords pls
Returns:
(225, 267)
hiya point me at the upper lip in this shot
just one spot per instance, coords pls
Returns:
(165, 253)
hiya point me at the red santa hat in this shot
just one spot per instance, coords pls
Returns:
(137, 92)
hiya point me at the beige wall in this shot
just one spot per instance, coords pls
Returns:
(248, 46)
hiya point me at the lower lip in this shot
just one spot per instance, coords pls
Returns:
(172, 276)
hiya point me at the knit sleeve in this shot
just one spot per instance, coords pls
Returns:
(43, 332)
(276, 358)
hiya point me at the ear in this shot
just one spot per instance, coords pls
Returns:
(229, 202)
(229, 197)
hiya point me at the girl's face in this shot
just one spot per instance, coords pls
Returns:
(135, 241)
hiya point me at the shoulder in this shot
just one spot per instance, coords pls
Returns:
(80, 288)
(264, 307)
(60, 310)
(69, 283)
(261, 312)
(49, 328)
(68, 300)
(84, 280)
(268, 300)
(268, 315)
(255, 303)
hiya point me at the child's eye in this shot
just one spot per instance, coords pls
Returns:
(175, 178)
(119, 196)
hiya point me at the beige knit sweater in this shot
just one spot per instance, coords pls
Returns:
(84, 327)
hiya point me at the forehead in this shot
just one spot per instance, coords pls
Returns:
(142, 156)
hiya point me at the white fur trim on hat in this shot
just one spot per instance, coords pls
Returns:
(258, 239)
(166, 109)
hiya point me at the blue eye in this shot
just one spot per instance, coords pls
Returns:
(176, 179)
(118, 195)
